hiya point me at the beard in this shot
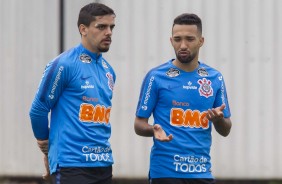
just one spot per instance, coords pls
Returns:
(105, 49)
(102, 47)
(187, 59)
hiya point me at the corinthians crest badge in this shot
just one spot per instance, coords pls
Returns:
(205, 88)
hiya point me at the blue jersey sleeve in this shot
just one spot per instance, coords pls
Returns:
(148, 96)
(221, 97)
(50, 88)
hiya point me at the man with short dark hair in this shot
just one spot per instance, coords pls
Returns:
(77, 87)
(186, 97)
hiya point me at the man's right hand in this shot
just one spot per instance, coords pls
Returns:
(160, 134)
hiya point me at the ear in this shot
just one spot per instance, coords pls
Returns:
(171, 40)
(202, 40)
(83, 29)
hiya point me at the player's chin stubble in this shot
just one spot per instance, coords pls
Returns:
(185, 60)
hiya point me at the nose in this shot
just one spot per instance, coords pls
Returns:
(183, 45)
(108, 31)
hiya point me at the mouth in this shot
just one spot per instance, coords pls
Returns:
(107, 41)
(183, 53)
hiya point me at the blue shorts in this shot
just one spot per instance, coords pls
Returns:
(79, 175)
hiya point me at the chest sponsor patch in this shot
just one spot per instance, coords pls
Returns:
(190, 163)
(205, 88)
(188, 118)
(94, 114)
(87, 85)
(85, 58)
(172, 72)
(202, 72)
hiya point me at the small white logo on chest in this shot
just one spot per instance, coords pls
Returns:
(87, 85)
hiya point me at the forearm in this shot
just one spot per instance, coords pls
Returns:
(223, 126)
(43, 146)
(143, 128)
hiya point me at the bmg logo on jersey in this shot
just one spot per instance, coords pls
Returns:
(91, 113)
(189, 118)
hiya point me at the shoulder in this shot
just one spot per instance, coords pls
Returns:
(108, 68)
(65, 59)
(70, 56)
(106, 64)
(206, 70)
(160, 70)
(211, 74)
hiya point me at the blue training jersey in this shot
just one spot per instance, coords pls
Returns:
(179, 102)
(77, 88)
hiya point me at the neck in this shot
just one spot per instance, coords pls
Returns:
(188, 67)
(89, 48)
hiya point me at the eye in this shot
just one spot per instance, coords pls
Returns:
(112, 27)
(176, 39)
(101, 27)
(190, 39)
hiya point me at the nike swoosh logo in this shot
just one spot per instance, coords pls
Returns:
(83, 78)
(173, 87)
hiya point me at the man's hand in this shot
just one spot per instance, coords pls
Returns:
(44, 147)
(216, 114)
(221, 124)
(46, 176)
(160, 134)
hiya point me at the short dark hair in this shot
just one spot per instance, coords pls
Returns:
(89, 12)
(188, 19)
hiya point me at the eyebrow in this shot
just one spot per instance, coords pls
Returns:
(101, 24)
(177, 36)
